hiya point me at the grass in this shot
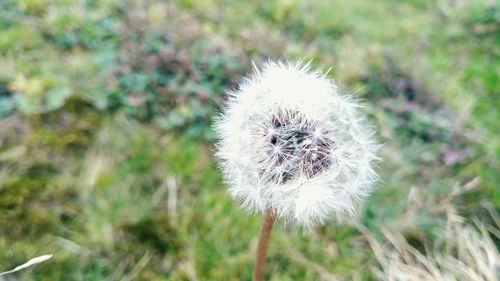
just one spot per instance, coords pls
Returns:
(467, 254)
(106, 147)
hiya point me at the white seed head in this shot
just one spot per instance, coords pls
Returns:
(288, 141)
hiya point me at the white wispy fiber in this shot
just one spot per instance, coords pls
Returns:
(289, 141)
(27, 264)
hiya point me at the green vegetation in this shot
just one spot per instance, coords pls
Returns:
(106, 146)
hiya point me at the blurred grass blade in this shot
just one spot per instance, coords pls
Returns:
(29, 263)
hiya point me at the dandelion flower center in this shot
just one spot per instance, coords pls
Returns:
(294, 146)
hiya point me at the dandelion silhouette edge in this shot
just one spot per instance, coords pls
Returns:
(288, 141)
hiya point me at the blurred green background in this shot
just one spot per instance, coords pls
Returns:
(106, 145)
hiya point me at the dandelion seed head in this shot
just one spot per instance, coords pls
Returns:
(288, 141)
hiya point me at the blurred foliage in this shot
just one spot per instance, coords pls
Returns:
(146, 58)
(105, 139)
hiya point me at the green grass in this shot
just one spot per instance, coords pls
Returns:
(105, 113)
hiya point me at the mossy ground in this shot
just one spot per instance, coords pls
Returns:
(106, 147)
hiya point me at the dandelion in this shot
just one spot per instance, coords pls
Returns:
(292, 147)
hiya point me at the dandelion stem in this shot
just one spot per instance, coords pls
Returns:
(265, 235)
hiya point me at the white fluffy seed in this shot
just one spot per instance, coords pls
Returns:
(288, 141)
